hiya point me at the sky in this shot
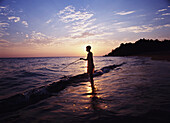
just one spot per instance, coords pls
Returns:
(52, 28)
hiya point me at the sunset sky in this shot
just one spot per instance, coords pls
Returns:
(49, 28)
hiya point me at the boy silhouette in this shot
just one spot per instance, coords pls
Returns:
(90, 65)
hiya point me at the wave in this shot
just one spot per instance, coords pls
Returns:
(107, 60)
(47, 69)
(106, 69)
(21, 100)
(28, 74)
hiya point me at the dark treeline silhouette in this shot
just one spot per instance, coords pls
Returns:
(141, 46)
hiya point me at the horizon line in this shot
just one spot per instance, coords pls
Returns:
(43, 56)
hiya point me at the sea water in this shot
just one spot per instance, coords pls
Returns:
(136, 87)
(21, 74)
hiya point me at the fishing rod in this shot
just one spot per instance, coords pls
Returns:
(70, 64)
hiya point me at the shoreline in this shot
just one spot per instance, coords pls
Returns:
(161, 55)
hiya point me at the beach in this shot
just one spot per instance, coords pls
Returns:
(128, 89)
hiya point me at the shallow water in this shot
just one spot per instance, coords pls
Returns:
(137, 91)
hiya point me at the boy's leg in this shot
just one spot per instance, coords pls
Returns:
(91, 80)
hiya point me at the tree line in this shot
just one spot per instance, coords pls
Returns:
(139, 47)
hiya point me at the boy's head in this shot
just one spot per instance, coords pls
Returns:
(88, 48)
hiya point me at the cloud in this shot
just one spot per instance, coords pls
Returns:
(25, 23)
(125, 13)
(3, 28)
(21, 10)
(158, 18)
(4, 10)
(119, 23)
(136, 29)
(4, 43)
(143, 28)
(38, 35)
(141, 15)
(69, 9)
(38, 38)
(166, 25)
(81, 24)
(93, 30)
(2, 7)
(161, 10)
(68, 14)
(166, 14)
(83, 35)
(49, 21)
(26, 35)
(4, 25)
(16, 19)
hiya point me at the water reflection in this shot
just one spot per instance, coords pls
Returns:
(94, 100)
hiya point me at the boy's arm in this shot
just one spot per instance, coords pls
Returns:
(83, 59)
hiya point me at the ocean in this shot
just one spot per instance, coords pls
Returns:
(128, 89)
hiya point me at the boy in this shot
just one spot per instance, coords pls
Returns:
(90, 65)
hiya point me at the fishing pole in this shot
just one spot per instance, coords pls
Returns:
(70, 64)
